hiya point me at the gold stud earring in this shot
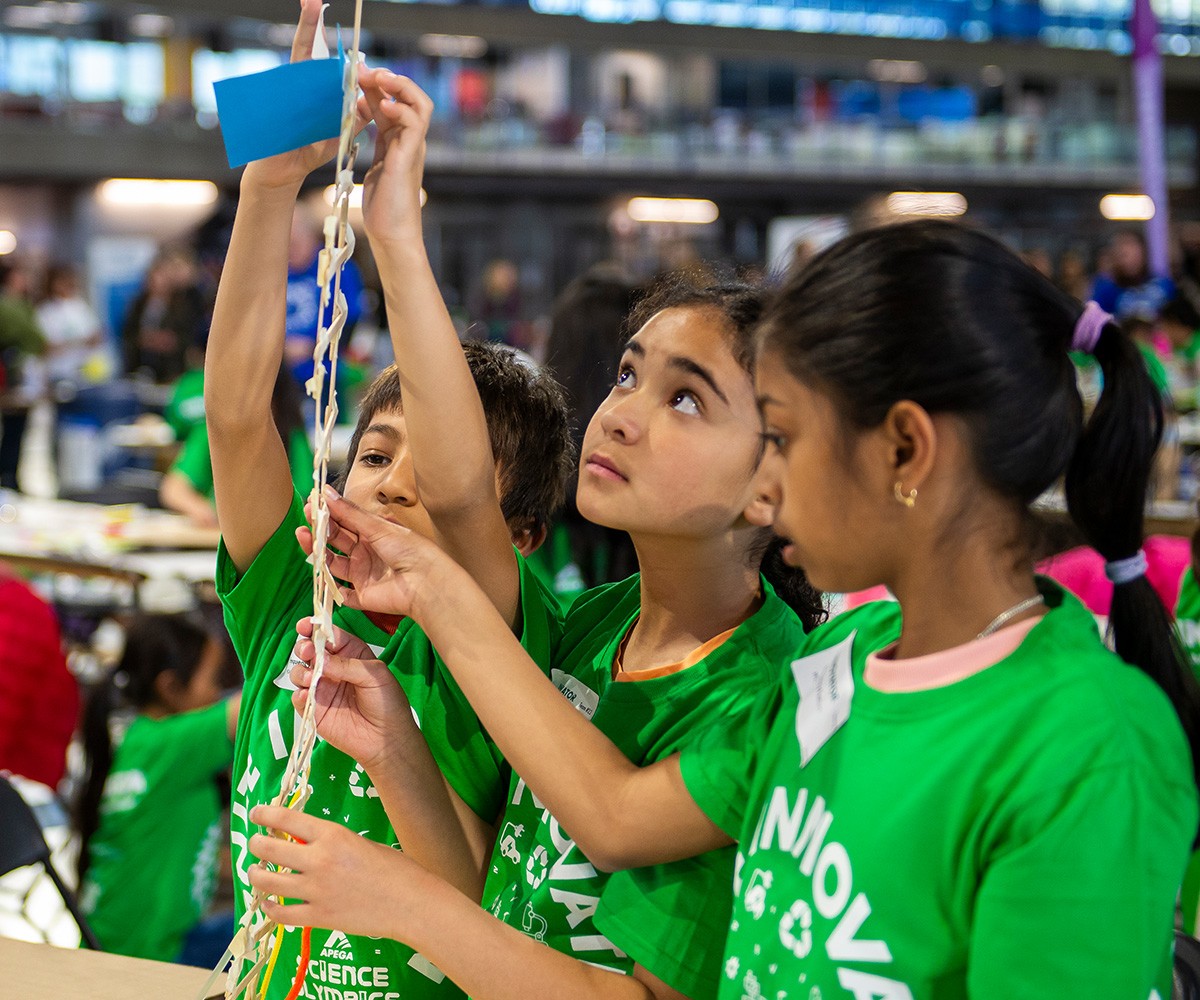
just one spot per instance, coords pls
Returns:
(909, 501)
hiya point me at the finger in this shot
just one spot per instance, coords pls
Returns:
(339, 537)
(350, 670)
(292, 915)
(285, 884)
(300, 701)
(373, 93)
(350, 599)
(412, 126)
(301, 675)
(304, 627)
(354, 519)
(339, 565)
(404, 90)
(282, 853)
(306, 30)
(299, 825)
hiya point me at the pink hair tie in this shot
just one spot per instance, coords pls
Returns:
(1088, 328)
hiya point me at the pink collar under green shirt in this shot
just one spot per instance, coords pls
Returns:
(923, 673)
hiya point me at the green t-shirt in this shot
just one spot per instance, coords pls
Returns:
(669, 918)
(1191, 349)
(194, 461)
(185, 408)
(1187, 625)
(1156, 369)
(261, 611)
(1017, 835)
(1187, 617)
(154, 855)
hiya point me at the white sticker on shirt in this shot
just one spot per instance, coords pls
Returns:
(576, 692)
(826, 684)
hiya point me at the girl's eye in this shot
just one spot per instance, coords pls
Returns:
(685, 402)
(373, 458)
(626, 379)
(773, 440)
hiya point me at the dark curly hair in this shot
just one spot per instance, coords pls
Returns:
(527, 422)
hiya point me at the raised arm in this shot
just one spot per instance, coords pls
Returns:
(361, 887)
(621, 815)
(444, 419)
(251, 477)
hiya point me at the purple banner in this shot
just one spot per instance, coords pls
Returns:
(1152, 157)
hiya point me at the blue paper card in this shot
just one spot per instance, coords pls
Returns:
(280, 109)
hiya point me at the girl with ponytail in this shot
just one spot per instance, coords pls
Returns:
(964, 794)
(156, 734)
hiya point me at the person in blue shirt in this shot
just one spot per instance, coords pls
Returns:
(303, 298)
(1131, 291)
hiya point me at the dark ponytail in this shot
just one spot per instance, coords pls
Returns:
(1107, 484)
(950, 318)
(154, 644)
(790, 584)
(741, 306)
(97, 749)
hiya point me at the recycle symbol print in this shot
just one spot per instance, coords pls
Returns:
(535, 867)
(357, 775)
(800, 915)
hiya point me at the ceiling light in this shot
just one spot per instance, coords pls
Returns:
(151, 25)
(942, 204)
(24, 16)
(897, 71)
(127, 192)
(1127, 207)
(452, 46)
(8, 241)
(693, 211)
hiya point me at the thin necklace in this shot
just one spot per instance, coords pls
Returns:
(1006, 616)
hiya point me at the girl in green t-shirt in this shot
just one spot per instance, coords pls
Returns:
(157, 733)
(978, 800)
(671, 457)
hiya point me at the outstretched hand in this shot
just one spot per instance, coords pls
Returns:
(392, 186)
(387, 566)
(360, 706)
(342, 881)
(290, 168)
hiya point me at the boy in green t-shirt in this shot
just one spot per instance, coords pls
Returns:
(423, 455)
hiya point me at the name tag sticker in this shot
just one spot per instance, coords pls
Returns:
(826, 684)
(576, 692)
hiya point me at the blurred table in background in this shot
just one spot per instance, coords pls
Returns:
(45, 972)
(139, 551)
(1163, 517)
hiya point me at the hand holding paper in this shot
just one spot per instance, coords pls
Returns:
(286, 119)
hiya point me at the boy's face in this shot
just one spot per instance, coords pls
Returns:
(674, 448)
(381, 477)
